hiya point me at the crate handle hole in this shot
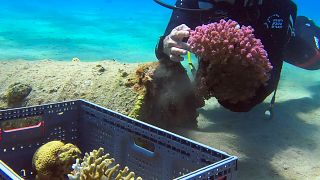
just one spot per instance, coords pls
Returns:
(144, 144)
(39, 123)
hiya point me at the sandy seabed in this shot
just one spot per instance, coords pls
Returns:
(285, 148)
(55, 81)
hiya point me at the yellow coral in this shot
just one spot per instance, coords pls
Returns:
(126, 175)
(68, 154)
(45, 156)
(54, 159)
(136, 111)
(95, 166)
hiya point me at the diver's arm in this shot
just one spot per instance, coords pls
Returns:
(178, 17)
(303, 48)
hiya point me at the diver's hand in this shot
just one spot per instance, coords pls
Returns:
(173, 45)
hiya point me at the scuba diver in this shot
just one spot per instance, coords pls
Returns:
(285, 36)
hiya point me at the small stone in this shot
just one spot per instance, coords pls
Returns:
(53, 90)
(99, 68)
(40, 101)
(87, 83)
(285, 167)
(129, 83)
(75, 60)
(124, 74)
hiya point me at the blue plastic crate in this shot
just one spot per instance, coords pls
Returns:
(163, 156)
(7, 173)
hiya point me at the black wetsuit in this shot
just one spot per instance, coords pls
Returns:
(303, 48)
(273, 21)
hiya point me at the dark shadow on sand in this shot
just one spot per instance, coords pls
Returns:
(259, 138)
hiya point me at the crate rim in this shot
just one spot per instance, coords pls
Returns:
(9, 172)
(198, 172)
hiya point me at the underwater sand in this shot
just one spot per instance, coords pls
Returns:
(286, 147)
(51, 81)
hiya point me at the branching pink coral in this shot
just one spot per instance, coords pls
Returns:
(233, 63)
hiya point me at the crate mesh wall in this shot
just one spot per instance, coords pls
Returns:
(90, 126)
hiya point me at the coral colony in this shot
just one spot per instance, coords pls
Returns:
(233, 63)
(56, 160)
(98, 166)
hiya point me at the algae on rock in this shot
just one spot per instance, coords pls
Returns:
(16, 93)
(142, 81)
(166, 96)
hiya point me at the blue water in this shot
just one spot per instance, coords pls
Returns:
(90, 30)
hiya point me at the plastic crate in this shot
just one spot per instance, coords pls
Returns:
(90, 126)
(7, 173)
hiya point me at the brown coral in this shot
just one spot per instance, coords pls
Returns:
(144, 75)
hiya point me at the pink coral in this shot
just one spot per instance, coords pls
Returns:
(233, 63)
